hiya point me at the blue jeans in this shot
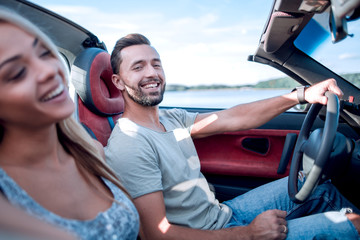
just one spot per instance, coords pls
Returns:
(319, 217)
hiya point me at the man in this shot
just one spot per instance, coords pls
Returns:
(154, 156)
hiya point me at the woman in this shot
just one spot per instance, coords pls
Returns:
(49, 166)
(16, 224)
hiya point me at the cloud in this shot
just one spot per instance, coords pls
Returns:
(201, 64)
(346, 56)
(195, 49)
(202, 21)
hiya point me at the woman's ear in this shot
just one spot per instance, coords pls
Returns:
(119, 84)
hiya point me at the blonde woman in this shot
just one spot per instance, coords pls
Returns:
(49, 166)
(16, 224)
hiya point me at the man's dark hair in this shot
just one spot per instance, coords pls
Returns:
(127, 41)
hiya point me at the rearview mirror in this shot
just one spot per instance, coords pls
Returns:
(339, 12)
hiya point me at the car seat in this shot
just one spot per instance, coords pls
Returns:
(99, 102)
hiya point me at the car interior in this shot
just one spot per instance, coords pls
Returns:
(237, 162)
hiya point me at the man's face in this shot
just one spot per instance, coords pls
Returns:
(141, 75)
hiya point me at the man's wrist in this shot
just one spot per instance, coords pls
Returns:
(300, 93)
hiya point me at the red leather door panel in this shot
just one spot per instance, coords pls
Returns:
(230, 154)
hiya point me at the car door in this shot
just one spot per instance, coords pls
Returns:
(236, 162)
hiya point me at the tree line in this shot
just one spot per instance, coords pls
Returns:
(278, 83)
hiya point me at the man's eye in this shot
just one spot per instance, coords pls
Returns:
(136, 68)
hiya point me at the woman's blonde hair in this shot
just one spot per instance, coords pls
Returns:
(72, 136)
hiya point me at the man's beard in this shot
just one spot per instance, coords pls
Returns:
(138, 96)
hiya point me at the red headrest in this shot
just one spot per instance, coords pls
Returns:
(99, 102)
(91, 76)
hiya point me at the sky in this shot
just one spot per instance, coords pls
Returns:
(199, 41)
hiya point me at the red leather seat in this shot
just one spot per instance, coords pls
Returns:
(99, 102)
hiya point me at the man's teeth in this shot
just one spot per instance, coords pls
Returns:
(154, 85)
(54, 93)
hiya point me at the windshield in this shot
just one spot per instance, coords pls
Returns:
(342, 57)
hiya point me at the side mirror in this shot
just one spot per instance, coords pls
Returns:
(302, 107)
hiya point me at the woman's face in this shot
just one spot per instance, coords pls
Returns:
(33, 91)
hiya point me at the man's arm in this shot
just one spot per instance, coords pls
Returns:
(154, 224)
(254, 114)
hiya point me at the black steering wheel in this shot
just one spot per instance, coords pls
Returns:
(314, 149)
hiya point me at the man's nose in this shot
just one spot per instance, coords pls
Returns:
(151, 71)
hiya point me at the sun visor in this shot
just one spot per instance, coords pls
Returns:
(281, 26)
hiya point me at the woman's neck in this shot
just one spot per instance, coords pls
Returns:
(31, 147)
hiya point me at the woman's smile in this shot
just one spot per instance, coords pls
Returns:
(54, 93)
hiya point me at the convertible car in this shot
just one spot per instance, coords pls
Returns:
(321, 141)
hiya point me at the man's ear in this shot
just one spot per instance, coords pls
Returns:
(119, 84)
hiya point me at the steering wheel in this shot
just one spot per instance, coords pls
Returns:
(313, 150)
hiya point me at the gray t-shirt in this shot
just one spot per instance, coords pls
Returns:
(147, 161)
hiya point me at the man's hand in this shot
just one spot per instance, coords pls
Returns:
(316, 93)
(269, 225)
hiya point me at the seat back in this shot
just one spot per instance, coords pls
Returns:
(99, 102)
